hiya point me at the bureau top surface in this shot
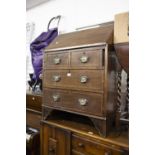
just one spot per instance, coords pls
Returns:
(85, 38)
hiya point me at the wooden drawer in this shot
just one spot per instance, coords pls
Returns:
(87, 58)
(33, 119)
(87, 103)
(56, 60)
(88, 80)
(84, 146)
(33, 101)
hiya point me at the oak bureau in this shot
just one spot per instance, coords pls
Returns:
(80, 95)
(79, 75)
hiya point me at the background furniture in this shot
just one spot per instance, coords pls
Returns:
(70, 134)
(121, 43)
(33, 118)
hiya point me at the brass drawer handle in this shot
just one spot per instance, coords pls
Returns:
(83, 79)
(33, 98)
(57, 60)
(56, 78)
(56, 98)
(83, 101)
(84, 59)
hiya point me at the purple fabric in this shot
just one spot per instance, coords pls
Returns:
(37, 47)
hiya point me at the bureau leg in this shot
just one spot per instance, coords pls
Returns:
(102, 126)
(46, 112)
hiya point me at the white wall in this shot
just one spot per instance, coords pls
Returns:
(75, 13)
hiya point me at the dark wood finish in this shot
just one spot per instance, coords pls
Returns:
(71, 100)
(33, 101)
(33, 119)
(56, 60)
(71, 59)
(90, 69)
(84, 37)
(94, 79)
(94, 56)
(122, 51)
(81, 136)
(55, 141)
(33, 142)
(87, 146)
(33, 109)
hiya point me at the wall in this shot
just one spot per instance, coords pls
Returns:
(75, 13)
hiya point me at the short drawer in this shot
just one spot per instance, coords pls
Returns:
(33, 101)
(86, 146)
(87, 58)
(56, 60)
(87, 103)
(88, 80)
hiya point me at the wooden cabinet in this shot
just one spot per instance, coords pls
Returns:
(33, 101)
(33, 118)
(33, 109)
(63, 136)
(55, 141)
(80, 95)
(81, 78)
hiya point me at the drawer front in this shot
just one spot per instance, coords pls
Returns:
(56, 60)
(87, 103)
(33, 102)
(89, 147)
(55, 141)
(88, 80)
(87, 58)
(33, 119)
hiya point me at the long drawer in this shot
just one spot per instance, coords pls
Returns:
(84, 146)
(88, 80)
(87, 103)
